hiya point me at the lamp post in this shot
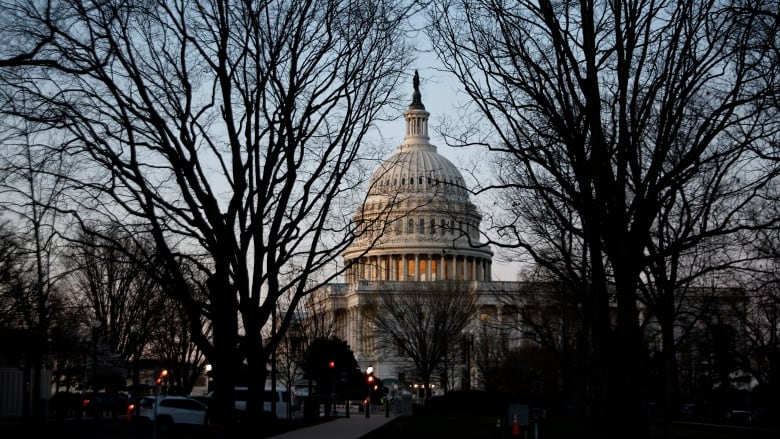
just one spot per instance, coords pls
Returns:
(332, 369)
(468, 343)
(370, 383)
(95, 328)
(135, 344)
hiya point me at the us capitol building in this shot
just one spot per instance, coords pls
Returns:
(418, 231)
(416, 225)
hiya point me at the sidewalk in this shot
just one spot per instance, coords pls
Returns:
(353, 427)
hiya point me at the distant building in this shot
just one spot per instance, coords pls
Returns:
(417, 224)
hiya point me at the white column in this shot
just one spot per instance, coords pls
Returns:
(428, 267)
(417, 267)
(405, 267)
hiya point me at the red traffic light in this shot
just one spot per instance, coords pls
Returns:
(370, 379)
(332, 364)
(163, 373)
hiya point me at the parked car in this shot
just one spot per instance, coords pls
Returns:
(740, 416)
(172, 410)
(105, 404)
(67, 405)
(284, 401)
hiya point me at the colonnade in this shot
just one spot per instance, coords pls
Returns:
(421, 267)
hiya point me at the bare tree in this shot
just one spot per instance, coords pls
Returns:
(113, 282)
(423, 320)
(21, 44)
(114, 288)
(32, 183)
(232, 131)
(605, 105)
(11, 268)
(313, 319)
(547, 315)
(490, 351)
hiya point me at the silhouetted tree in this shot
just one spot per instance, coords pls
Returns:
(596, 109)
(423, 320)
(331, 364)
(231, 130)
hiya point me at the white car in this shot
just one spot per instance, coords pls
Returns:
(284, 401)
(172, 410)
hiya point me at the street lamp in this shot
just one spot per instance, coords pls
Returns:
(370, 383)
(208, 369)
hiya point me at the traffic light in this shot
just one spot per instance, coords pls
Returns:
(332, 364)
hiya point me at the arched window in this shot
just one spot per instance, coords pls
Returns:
(421, 180)
(442, 226)
(422, 225)
(403, 181)
(410, 227)
(433, 226)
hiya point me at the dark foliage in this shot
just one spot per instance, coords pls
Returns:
(331, 364)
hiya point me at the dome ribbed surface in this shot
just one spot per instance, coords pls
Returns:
(418, 169)
(417, 206)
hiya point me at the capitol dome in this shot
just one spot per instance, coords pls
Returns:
(417, 222)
